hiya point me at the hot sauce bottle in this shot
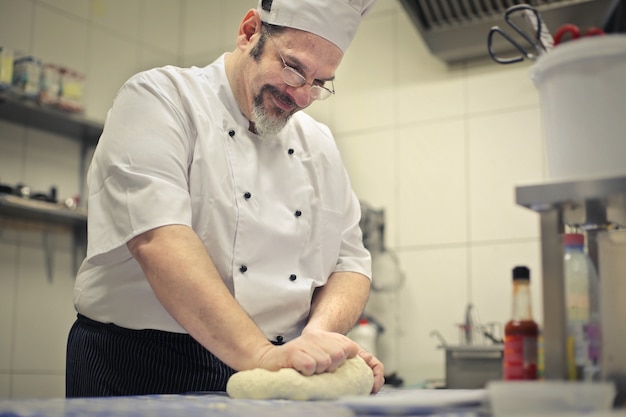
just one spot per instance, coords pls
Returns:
(521, 332)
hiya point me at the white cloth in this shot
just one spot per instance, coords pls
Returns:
(166, 156)
(334, 20)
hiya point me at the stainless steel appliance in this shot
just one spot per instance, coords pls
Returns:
(597, 207)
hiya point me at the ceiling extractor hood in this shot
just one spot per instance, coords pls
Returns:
(456, 30)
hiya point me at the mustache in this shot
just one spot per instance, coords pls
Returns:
(270, 89)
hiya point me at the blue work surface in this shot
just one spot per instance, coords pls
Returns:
(220, 405)
(168, 406)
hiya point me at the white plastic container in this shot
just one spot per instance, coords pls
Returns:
(549, 398)
(365, 334)
(6, 67)
(582, 89)
(26, 76)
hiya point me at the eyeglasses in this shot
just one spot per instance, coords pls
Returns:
(293, 78)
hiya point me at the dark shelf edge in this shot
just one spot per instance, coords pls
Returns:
(17, 109)
(11, 207)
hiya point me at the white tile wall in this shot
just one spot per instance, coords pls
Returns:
(152, 58)
(38, 385)
(112, 60)
(45, 154)
(12, 153)
(439, 148)
(78, 8)
(364, 80)
(210, 28)
(8, 288)
(431, 180)
(120, 16)
(372, 180)
(160, 25)
(496, 88)
(5, 384)
(59, 38)
(434, 298)
(425, 88)
(505, 150)
(44, 304)
(16, 25)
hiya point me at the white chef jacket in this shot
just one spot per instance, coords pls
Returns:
(277, 217)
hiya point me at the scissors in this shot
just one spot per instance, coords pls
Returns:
(573, 32)
(539, 42)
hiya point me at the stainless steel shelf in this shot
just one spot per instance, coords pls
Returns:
(583, 203)
(27, 112)
(22, 208)
(17, 109)
(19, 209)
(537, 196)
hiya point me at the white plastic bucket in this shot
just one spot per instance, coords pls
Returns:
(582, 89)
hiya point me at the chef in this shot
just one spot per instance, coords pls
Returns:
(223, 230)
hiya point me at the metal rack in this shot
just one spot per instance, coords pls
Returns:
(14, 206)
(27, 112)
(591, 205)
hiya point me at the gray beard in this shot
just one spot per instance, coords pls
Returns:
(267, 125)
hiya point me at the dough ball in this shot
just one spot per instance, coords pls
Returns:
(354, 377)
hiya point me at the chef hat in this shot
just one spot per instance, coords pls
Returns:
(334, 20)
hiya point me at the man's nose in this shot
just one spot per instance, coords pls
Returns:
(301, 95)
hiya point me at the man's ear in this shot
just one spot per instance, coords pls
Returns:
(250, 25)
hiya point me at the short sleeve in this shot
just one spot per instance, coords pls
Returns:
(138, 178)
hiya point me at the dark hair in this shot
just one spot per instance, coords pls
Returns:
(266, 5)
(257, 51)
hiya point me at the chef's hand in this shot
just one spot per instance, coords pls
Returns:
(377, 368)
(314, 352)
(317, 351)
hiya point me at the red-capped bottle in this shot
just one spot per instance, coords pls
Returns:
(521, 332)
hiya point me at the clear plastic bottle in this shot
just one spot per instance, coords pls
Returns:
(521, 332)
(582, 310)
(365, 334)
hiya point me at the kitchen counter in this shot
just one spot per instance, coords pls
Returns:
(207, 404)
(389, 402)
(167, 406)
